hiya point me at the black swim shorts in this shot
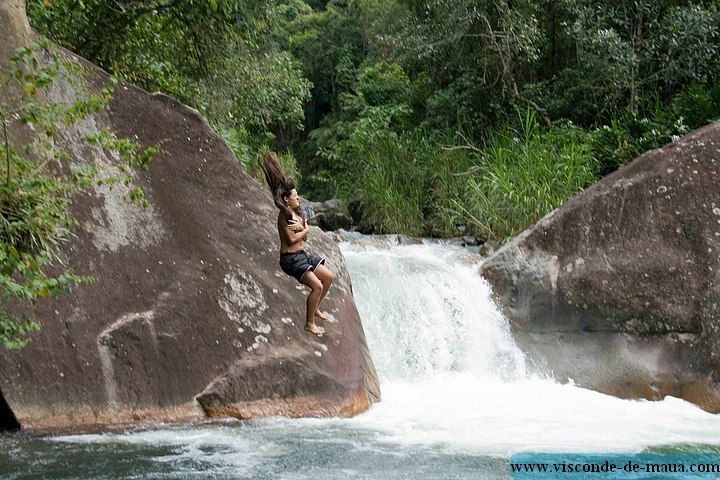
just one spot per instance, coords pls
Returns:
(296, 264)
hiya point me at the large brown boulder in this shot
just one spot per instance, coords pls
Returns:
(619, 289)
(189, 316)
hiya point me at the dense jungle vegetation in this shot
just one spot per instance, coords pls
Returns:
(438, 117)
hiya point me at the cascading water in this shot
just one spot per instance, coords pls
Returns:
(427, 312)
(453, 377)
(458, 400)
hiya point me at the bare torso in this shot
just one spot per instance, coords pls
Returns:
(290, 241)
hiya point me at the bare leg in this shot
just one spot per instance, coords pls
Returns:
(326, 277)
(313, 300)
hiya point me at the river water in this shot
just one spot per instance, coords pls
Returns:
(458, 400)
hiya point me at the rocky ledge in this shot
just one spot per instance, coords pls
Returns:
(189, 315)
(619, 289)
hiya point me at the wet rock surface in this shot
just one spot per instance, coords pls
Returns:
(619, 289)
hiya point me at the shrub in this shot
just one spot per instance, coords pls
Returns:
(38, 185)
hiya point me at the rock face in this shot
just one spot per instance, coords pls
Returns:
(619, 289)
(328, 215)
(190, 315)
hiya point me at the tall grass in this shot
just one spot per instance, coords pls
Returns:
(445, 184)
(523, 174)
(413, 183)
(407, 184)
(389, 183)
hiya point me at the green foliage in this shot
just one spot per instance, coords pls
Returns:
(223, 57)
(466, 46)
(384, 83)
(686, 46)
(102, 30)
(445, 170)
(410, 183)
(257, 93)
(627, 52)
(35, 220)
(466, 104)
(38, 186)
(370, 156)
(629, 134)
(238, 140)
(330, 46)
(390, 186)
(521, 175)
(379, 100)
(699, 103)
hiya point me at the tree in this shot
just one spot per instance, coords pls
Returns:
(330, 46)
(459, 44)
(224, 57)
(98, 29)
(628, 50)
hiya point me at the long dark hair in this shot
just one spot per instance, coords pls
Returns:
(280, 185)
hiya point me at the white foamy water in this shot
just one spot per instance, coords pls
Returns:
(452, 375)
(458, 401)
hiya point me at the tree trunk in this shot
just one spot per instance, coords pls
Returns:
(15, 30)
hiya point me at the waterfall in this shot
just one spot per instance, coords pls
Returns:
(451, 374)
(427, 311)
(458, 400)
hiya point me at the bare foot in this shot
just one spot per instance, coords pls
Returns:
(314, 329)
(319, 314)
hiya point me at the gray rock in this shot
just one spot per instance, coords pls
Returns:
(329, 215)
(619, 289)
(466, 241)
(190, 316)
(488, 248)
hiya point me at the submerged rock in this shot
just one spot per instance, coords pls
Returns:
(190, 316)
(619, 289)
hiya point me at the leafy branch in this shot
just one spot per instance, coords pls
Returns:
(35, 198)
